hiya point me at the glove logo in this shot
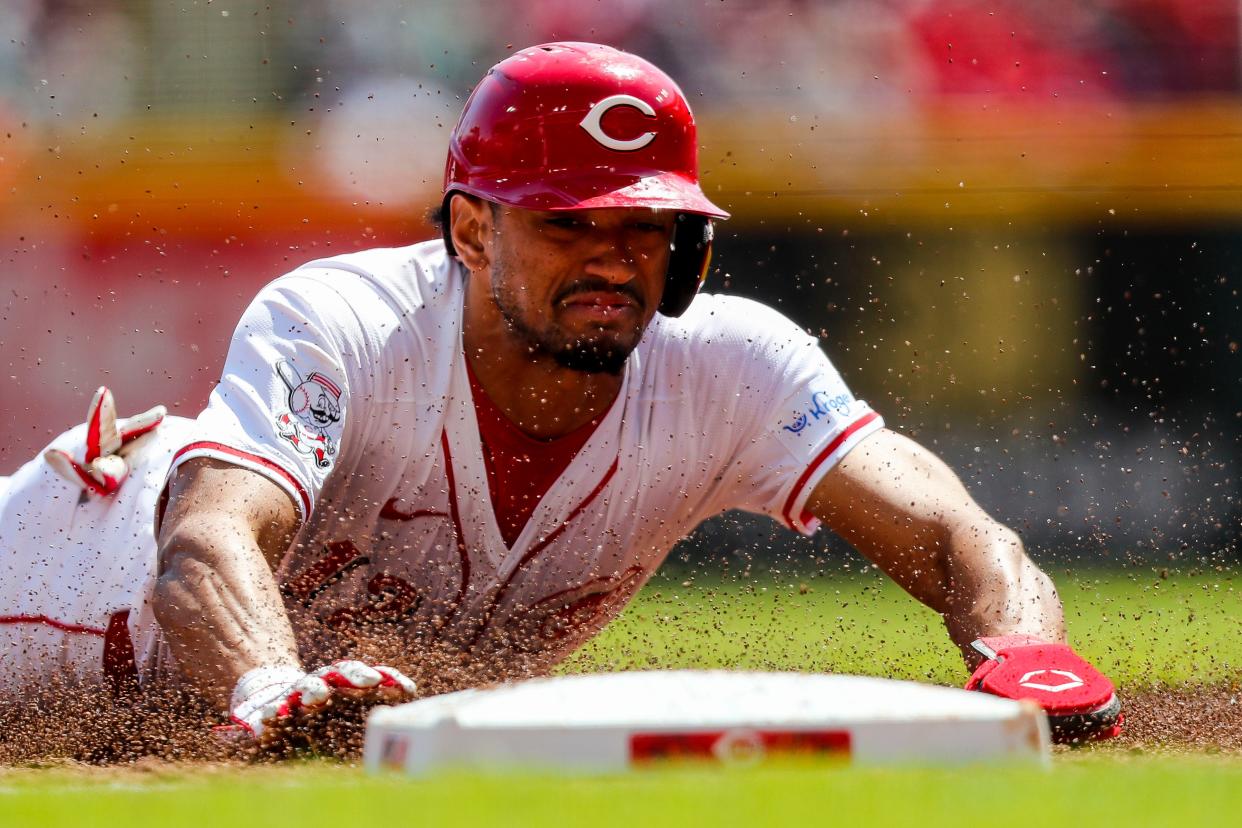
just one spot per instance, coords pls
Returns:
(1065, 681)
(591, 123)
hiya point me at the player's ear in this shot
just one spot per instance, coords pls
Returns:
(470, 220)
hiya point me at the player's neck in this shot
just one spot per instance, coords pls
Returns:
(540, 397)
(544, 401)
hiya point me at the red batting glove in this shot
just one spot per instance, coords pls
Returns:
(1080, 701)
(268, 696)
(103, 467)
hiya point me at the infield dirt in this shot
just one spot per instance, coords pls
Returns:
(146, 736)
(1135, 626)
(1186, 719)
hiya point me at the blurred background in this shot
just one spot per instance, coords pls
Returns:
(1015, 226)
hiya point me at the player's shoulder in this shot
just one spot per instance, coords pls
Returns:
(422, 260)
(730, 359)
(717, 322)
(411, 276)
(375, 290)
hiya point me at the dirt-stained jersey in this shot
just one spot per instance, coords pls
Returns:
(78, 569)
(346, 385)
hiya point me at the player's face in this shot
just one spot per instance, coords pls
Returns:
(580, 286)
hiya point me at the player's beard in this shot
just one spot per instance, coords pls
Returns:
(602, 352)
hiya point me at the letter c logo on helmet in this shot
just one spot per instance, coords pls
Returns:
(592, 123)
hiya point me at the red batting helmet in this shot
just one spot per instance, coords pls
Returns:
(577, 126)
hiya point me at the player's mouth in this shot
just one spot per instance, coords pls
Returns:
(602, 306)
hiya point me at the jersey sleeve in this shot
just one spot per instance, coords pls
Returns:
(796, 419)
(283, 400)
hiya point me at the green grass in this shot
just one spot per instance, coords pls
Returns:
(1148, 792)
(1138, 626)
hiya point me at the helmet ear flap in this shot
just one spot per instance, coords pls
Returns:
(688, 261)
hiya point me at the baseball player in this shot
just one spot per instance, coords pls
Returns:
(458, 460)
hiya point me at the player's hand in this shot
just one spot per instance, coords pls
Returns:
(271, 703)
(1080, 701)
(103, 467)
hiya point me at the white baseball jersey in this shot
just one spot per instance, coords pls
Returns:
(78, 568)
(346, 385)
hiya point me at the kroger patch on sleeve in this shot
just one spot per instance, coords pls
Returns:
(820, 412)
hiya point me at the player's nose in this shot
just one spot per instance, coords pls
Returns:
(614, 261)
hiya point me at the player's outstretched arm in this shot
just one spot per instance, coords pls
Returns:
(217, 601)
(906, 511)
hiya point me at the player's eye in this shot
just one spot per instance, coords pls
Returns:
(650, 227)
(564, 222)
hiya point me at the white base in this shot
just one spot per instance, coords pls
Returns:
(613, 721)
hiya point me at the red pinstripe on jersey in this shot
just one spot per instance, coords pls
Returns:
(462, 551)
(850, 431)
(253, 458)
(119, 667)
(51, 622)
(543, 544)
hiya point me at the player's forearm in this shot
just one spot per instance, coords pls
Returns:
(907, 511)
(991, 587)
(219, 607)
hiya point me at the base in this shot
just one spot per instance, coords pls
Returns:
(614, 721)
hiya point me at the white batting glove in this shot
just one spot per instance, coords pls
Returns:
(103, 467)
(266, 696)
